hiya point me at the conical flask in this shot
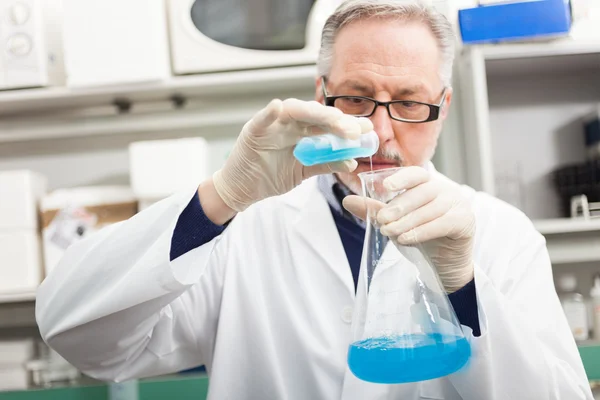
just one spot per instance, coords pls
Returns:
(404, 327)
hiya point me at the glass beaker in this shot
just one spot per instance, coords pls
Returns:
(404, 327)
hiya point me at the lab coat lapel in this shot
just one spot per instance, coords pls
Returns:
(314, 236)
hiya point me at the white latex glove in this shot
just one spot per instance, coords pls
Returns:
(431, 211)
(262, 163)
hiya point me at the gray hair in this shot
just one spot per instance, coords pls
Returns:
(409, 10)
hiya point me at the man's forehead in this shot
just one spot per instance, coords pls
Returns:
(387, 48)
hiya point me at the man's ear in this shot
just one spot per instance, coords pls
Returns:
(446, 108)
(319, 90)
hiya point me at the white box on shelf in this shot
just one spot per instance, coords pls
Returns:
(20, 193)
(20, 262)
(14, 377)
(113, 42)
(16, 351)
(159, 168)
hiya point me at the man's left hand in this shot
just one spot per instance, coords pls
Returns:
(432, 211)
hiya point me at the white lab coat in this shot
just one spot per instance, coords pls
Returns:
(267, 307)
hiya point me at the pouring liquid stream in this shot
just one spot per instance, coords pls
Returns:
(373, 190)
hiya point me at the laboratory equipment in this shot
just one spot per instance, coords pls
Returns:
(512, 21)
(591, 127)
(404, 327)
(104, 50)
(225, 35)
(51, 369)
(595, 297)
(128, 390)
(574, 307)
(328, 148)
(31, 50)
(574, 180)
(14, 353)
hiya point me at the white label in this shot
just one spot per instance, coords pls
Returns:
(124, 391)
(69, 226)
(577, 317)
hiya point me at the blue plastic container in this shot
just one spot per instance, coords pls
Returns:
(514, 21)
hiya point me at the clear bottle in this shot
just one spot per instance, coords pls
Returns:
(404, 327)
(574, 307)
(595, 305)
(328, 148)
(128, 390)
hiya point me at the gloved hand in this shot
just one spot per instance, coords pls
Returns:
(262, 163)
(433, 212)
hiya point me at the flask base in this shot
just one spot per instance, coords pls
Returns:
(407, 358)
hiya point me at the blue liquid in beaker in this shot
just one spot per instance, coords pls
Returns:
(390, 360)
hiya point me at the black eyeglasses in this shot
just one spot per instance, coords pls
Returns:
(399, 110)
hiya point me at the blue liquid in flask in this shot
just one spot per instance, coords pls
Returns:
(407, 358)
(328, 148)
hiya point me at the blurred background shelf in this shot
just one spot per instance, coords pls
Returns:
(205, 86)
(17, 297)
(542, 48)
(520, 100)
(566, 225)
(571, 240)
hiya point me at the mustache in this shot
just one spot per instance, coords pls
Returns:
(390, 155)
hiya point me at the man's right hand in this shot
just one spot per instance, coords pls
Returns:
(262, 163)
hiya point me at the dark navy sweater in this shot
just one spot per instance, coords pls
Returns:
(194, 229)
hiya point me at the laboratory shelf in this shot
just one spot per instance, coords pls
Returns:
(566, 225)
(17, 297)
(194, 387)
(571, 240)
(180, 103)
(542, 48)
(204, 86)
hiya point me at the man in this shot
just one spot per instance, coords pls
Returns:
(253, 273)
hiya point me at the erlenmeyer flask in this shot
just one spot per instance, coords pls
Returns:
(404, 327)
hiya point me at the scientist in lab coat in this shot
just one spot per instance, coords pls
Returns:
(253, 272)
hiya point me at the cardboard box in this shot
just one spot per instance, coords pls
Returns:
(69, 215)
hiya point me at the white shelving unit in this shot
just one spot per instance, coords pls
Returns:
(17, 297)
(522, 106)
(511, 94)
(203, 86)
(558, 226)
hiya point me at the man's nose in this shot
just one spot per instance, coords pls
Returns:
(382, 124)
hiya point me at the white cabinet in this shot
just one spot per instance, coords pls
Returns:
(522, 110)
